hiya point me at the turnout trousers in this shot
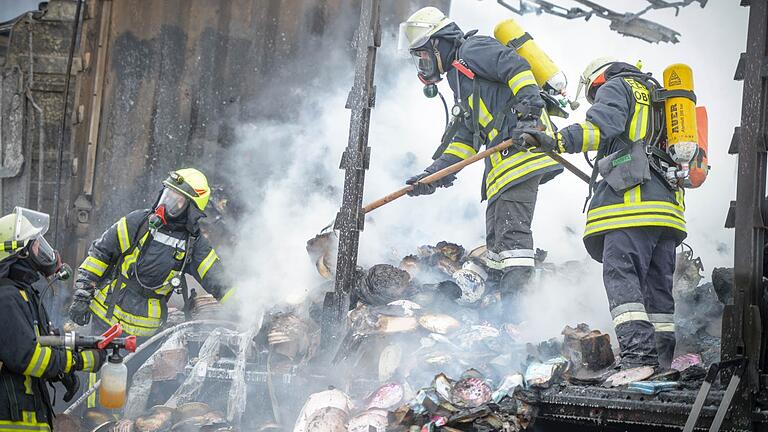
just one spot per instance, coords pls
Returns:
(638, 264)
(510, 241)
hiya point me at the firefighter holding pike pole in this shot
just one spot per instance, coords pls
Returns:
(496, 98)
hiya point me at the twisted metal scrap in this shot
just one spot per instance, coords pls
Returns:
(626, 24)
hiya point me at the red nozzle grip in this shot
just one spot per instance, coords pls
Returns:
(130, 344)
(110, 335)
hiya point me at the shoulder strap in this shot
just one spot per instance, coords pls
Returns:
(518, 42)
(117, 276)
(476, 113)
(593, 178)
(448, 134)
(140, 232)
(185, 295)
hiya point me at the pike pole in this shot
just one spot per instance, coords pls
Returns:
(354, 161)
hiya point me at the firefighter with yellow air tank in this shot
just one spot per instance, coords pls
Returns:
(648, 148)
(495, 92)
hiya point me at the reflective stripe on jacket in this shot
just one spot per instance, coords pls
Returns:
(153, 261)
(621, 114)
(502, 76)
(25, 365)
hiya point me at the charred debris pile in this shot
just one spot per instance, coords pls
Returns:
(426, 347)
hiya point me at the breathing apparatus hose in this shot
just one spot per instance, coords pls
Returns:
(445, 107)
(151, 341)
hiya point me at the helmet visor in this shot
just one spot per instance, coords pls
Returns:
(43, 253)
(30, 224)
(174, 202)
(413, 34)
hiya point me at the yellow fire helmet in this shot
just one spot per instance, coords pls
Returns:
(191, 183)
(19, 228)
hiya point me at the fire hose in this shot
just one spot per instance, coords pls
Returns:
(151, 341)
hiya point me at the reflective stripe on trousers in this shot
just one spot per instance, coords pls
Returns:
(513, 258)
(508, 221)
(662, 322)
(638, 264)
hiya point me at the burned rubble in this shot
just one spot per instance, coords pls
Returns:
(425, 348)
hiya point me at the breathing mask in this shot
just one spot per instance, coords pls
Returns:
(171, 205)
(43, 257)
(429, 66)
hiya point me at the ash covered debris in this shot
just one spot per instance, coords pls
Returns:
(425, 348)
(480, 373)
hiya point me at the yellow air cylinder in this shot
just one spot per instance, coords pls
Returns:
(682, 135)
(545, 71)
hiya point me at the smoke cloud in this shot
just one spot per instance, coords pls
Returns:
(289, 169)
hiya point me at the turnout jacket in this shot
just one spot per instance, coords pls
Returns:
(144, 262)
(25, 366)
(620, 115)
(503, 79)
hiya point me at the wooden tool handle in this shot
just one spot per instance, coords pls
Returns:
(531, 140)
(569, 166)
(438, 175)
(470, 160)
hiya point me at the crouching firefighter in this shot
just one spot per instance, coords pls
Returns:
(25, 366)
(495, 94)
(136, 265)
(636, 214)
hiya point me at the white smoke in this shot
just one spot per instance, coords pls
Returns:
(290, 167)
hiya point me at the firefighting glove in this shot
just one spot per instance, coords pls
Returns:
(89, 360)
(72, 384)
(428, 188)
(540, 142)
(79, 311)
(528, 111)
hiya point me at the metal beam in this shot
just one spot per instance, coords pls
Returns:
(742, 335)
(354, 162)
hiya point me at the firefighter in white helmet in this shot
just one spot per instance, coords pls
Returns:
(26, 367)
(636, 217)
(495, 94)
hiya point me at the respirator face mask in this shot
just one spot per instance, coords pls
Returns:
(425, 63)
(428, 65)
(174, 203)
(43, 257)
(171, 205)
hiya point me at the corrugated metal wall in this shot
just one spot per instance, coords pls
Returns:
(156, 85)
(165, 83)
(32, 82)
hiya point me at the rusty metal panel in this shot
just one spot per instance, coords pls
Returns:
(31, 105)
(179, 76)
